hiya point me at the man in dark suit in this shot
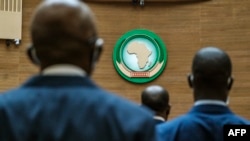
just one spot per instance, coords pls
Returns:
(62, 103)
(211, 81)
(156, 98)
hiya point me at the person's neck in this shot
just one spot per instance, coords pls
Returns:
(159, 118)
(44, 66)
(209, 102)
(210, 98)
(210, 95)
(163, 115)
(64, 69)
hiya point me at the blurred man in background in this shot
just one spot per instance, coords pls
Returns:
(156, 98)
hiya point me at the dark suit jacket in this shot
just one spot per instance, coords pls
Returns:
(70, 108)
(201, 123)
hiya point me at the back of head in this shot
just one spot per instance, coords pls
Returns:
(211, 73)
(62, 32)
(156, 98)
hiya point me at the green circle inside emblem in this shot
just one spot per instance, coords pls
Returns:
(139, 56)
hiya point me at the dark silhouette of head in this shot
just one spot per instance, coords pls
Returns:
(64, 32)
(211, 74)
(156, 98)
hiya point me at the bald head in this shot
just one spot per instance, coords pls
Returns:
(62, 31)
(211, 62)
(155, 97)
(211, 72)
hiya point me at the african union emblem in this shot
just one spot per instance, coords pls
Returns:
(139, 56)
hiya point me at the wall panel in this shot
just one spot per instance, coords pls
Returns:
(184, 27)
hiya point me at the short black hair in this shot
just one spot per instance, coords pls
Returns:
(155, 100)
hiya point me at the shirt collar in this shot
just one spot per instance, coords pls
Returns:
(64, 70)
(159, 118)
(213, 102)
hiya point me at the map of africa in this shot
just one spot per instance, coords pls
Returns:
(141, 51)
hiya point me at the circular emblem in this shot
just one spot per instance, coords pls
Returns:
(139, 56)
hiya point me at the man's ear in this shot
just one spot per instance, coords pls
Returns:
(31, 52)
(96, 54)
(190, 79)
(98, 49)
(168, 110)
(230, 81)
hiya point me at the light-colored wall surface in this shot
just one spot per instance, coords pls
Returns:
(11, 19)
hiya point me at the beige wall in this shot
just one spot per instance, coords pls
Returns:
(184, 27)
